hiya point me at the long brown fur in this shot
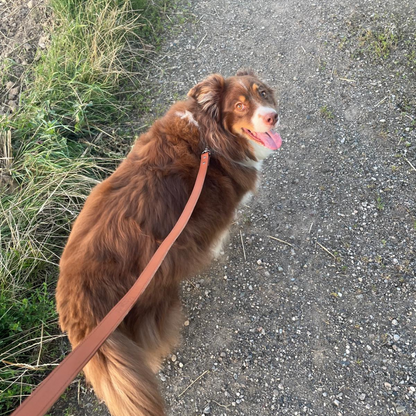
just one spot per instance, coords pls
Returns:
(122, 224)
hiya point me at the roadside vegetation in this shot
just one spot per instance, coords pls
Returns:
(54, 148)
(379, 37)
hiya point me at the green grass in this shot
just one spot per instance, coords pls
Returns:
(379, 42)
(6, 64)
(54, 149)
(388, 38)
(326, 113)
(78, 88)
(379, 203)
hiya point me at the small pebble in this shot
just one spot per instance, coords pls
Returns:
(13, 93)
(42, 42)
(12, 104)
(362, 396)
(173, 358)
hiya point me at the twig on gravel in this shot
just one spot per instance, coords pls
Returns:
(408, 161)
(225, 406)
(198, 378)
(192, 284)
(326, 250)
(196, 17)
(348, 80)
(381, 101)
(280, 241)
(199, 44)
(242, 243)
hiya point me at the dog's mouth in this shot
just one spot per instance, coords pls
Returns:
(270, 139)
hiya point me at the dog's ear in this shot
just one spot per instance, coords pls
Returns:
(208, 94)
(245, 71)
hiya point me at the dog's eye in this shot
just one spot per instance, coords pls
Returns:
(263, 93)
(240, 107)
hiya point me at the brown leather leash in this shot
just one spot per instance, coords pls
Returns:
(49, 391)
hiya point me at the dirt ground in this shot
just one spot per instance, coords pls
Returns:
(22, 34)
(311, 310)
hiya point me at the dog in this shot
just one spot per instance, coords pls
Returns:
(128, 215)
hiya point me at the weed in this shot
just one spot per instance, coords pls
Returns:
(379, 203)
(378, 37)
(326, 113)
(411, 58)
(379, 42)
(322, 65)
(6, 65)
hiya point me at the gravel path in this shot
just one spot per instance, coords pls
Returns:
(311, 310)
(325, 325)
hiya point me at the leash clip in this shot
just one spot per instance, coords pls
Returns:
(205, 156)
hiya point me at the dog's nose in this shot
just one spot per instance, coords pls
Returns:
(271, 118)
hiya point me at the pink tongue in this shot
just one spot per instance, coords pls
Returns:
(270, 140)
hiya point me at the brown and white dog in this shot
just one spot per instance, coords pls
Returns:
(128, 215)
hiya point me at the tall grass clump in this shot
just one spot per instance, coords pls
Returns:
(52, 153)
(91, 57)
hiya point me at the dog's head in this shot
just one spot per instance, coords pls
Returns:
(244, 106)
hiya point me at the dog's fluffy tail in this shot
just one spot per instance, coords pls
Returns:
(121, 377)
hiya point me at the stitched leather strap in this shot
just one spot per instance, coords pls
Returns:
(49, 391)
